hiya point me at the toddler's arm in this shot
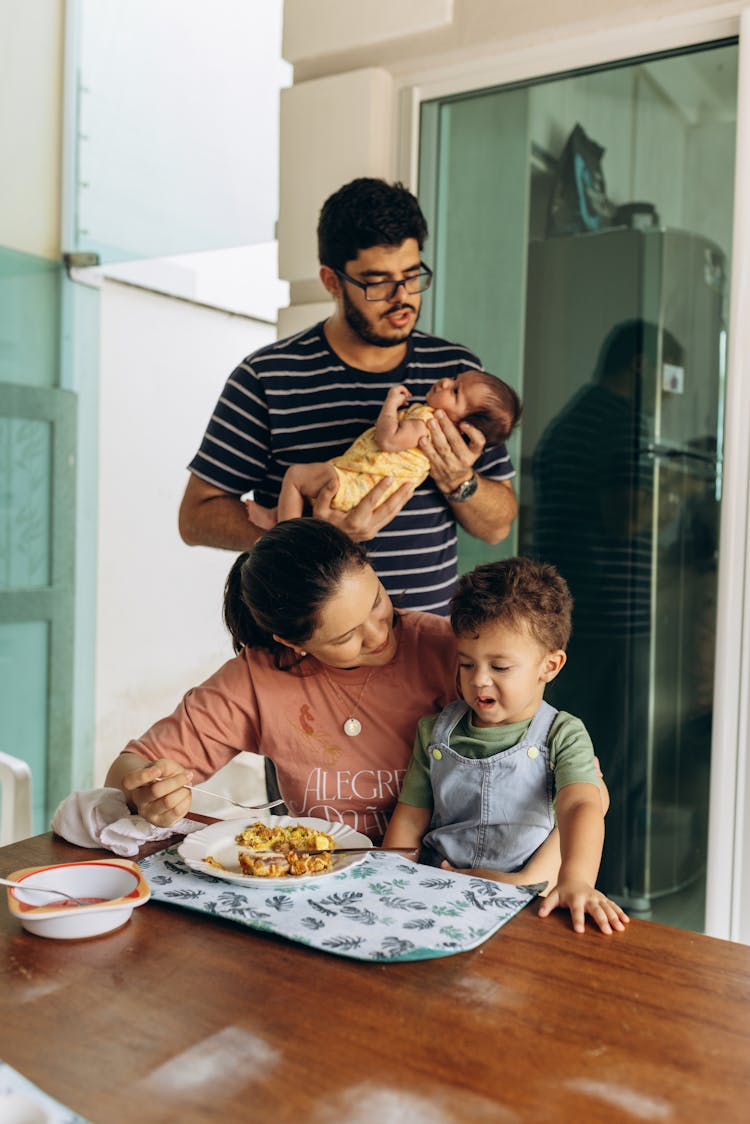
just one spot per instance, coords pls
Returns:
(391, 434)
(407, 826)
(581, 823)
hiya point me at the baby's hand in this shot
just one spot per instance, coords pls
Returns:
(397, 397)
(580, 898)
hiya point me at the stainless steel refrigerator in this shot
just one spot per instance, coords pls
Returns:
(621, 487)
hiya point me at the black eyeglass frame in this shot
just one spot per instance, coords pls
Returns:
(425, 272)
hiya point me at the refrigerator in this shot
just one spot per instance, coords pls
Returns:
(640, 668)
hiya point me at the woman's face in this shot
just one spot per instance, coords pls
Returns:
(356, 624)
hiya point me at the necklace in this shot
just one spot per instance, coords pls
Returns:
(352, 726)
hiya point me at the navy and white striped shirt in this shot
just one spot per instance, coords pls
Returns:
(589, 479)
(295, 402)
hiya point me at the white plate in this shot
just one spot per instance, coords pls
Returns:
(218, 841)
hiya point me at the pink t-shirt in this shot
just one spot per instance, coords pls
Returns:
(295, 718)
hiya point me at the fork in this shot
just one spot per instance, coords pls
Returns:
(236, 803)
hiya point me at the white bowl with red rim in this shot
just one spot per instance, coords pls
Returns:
(110, 889)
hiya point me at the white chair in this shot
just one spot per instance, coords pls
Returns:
(15, 806)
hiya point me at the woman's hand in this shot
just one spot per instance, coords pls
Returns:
(158, 791)
(581, 898)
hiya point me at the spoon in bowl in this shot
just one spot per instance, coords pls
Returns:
(42, 890)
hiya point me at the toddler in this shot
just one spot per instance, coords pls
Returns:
(494, 772)
(390, 447)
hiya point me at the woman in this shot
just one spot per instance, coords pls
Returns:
(327, 681)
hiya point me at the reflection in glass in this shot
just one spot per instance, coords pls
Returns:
(581, 229)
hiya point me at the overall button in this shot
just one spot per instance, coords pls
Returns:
(436, 753)
(532, 752)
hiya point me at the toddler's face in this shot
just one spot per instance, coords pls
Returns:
(503, 672)
(457, 397)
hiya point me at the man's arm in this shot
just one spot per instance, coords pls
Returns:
(210, 516)
(489, 513)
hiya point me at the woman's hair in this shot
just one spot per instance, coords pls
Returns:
(282, 585)
(516, 592)
(367, 212)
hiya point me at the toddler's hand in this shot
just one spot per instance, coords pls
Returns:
(580, 898)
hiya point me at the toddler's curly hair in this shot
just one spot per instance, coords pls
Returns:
(518, 592)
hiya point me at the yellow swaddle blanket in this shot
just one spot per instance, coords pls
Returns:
(363, 465)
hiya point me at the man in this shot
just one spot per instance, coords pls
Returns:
(306, 398)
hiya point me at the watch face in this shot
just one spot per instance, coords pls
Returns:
(465, 490)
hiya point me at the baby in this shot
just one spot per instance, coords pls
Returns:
(390, 447)
(494, 774)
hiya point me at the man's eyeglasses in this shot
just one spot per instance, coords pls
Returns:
(387, 290)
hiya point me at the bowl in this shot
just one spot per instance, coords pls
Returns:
(116, 885)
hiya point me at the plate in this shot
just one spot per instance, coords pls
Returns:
(218, 841)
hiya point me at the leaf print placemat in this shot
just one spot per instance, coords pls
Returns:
(22, 1100)
(384, 909)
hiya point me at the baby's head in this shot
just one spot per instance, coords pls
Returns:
(512, 623)
(481, 399)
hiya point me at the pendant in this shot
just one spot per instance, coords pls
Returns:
(352, 727)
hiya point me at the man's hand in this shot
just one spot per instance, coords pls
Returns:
(451, 458)
(364, 521)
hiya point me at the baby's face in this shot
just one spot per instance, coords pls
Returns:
(457, 397)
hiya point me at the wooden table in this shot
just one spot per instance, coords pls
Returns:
(179, 1017)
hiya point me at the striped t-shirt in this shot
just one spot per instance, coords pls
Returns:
(295, 402)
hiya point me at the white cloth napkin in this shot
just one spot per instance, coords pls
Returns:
(100, 817)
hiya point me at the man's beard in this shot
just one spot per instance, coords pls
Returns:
(360, 325)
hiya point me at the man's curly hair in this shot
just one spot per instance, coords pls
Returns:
(367, 212)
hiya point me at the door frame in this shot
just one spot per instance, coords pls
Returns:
(728, 877)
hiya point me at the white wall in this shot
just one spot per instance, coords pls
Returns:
(177, 124)
(31, 38)
(159, 631)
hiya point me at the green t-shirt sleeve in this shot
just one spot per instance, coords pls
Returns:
(571, 752)
(417, 789)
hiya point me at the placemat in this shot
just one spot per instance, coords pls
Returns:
(21, 1099)
(385, 909)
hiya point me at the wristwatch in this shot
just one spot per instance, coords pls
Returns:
(464, 491)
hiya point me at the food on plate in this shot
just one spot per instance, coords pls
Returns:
(290, 846)
(278, 866)
(211, 861)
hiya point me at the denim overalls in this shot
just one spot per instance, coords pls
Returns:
(493, 811)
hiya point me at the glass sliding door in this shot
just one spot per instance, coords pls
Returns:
(581, 228)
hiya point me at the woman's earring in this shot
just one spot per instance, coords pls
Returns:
(301, 653)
